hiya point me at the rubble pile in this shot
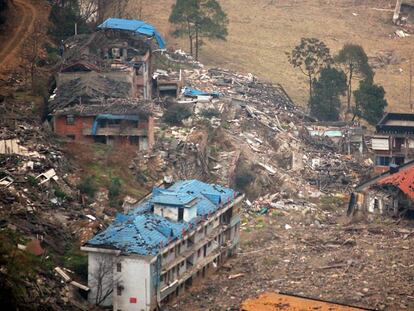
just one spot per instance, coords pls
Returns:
(367, 265)
(38, 202)
(256, 124)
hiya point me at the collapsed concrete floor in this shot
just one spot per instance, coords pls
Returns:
(364, 264)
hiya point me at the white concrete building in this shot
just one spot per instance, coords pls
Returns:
(170, 240)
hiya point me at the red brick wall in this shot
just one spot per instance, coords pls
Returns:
(64, 129)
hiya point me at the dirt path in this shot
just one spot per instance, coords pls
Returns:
(24, 26)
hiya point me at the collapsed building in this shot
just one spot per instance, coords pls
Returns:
(163, 245)
(403, 12)
(349, 138)
(105, 84)
(393, 142)
(389, 193)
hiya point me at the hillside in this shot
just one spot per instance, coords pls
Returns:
(261, 31)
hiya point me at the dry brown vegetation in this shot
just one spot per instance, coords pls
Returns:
(261, 31)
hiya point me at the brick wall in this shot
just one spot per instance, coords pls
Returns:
(63, 129)
(66, 130)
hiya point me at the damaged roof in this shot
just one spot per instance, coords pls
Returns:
(144, 233)
(89, 88)
(90, 48)
(115, 106)
(403, 180)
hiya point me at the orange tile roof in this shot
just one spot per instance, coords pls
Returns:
(279, 302)
(403, 180)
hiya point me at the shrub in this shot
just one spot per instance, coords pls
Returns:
(78, 263)
(243, 178)
(114, 189)
(59, 193)
(32, 181)
(175, 114)
(210, 113)
(87, 186)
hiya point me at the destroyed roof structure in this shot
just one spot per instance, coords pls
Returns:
(167, 240)
(117, 106)
(96, 49)
(393, 142)
(92, 88)
(391, 192)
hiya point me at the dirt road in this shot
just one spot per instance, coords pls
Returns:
(22, 27)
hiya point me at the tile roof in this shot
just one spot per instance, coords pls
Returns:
(144, 233)
(404, 180)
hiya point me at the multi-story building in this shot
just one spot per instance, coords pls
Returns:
(105, 84)
(112, 122)
(172, 238)
(393, 142)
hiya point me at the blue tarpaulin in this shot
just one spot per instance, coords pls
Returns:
(111, 117)
(190, 92)
(135, 26)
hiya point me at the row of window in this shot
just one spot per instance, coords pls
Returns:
(387, 161)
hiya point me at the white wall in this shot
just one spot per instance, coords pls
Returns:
(135, 277)
(190, 213)
(165, 211)
(172, 212)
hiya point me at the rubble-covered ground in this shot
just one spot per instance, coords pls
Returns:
(296, 237)
(361, 263)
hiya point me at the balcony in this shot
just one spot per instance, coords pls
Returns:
(116, 131)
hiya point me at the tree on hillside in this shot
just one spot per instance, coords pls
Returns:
(198, 19)
(325, 103)
(311, 55)
(369, 101)
(353, 59)
(64, 15)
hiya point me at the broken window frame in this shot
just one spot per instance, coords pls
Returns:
(70, 119)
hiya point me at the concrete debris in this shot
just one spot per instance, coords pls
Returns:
(6, 181)
(12, 146)
(46, 176)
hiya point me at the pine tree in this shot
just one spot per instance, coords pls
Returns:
(353, 59)
(370, 101)
(325, 102)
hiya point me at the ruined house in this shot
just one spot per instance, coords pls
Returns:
(393, 142)
(390, 193)
(121, 50)
(403, 12)
(105, 84)
(348, 137)
(108, 121)
(161, 247)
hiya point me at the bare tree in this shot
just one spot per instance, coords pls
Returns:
(102, 279)
(89, 9)
(31, 50)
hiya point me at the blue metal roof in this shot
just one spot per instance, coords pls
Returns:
(134, 26)
(144, 233)
(168, 197)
